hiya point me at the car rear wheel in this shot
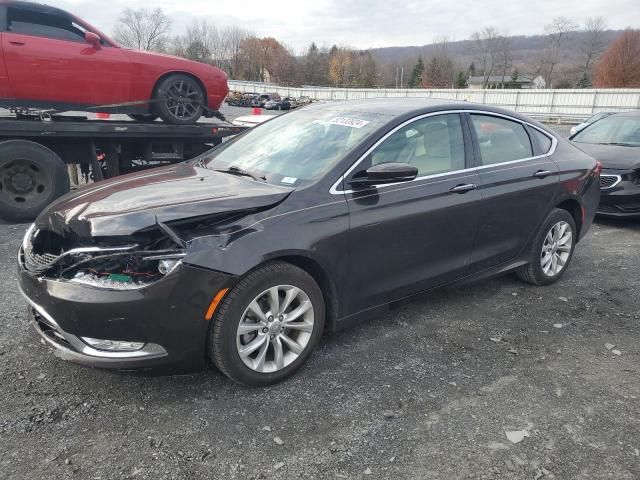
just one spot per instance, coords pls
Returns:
(267, 325)
(31, 177)
(180, 99)
(552, 250)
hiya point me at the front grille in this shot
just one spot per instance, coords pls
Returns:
(629, 207)
(609, 181)
(607, 209)
(34, 261)
(42, 249)
(620, 208)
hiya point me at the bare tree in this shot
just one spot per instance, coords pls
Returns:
(594, 42)
(486, 46)
(231, 40)
(505, 57)
(557, 34)
(143, 29)
(439, 70)
(201, 42)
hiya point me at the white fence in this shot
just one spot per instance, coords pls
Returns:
(574, 104)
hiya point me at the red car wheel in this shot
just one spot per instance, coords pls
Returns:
(180, 99)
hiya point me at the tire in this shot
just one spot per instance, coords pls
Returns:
(180, 99)
(143, 117)
(31, 177)
(225, 340)
(539, 271)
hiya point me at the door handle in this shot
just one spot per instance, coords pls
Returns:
(467, 187)
(16, 43)
(542, 173)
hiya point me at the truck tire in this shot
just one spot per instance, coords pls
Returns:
(180, 99)
(31, 177)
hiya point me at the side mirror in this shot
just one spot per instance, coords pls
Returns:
(92, 39)
(385, 173)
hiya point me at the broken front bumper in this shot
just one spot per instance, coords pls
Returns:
(168, 317)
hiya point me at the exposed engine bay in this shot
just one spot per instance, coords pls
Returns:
(122, 262)
(112, 264)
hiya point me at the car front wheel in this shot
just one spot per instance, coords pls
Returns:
(552, 249)
(267, 325)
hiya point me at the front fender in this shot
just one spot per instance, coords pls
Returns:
(319, 234)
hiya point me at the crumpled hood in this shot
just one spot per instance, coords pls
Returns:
(127, 204)
(612, 156)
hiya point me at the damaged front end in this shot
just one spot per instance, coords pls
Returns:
(113, 263)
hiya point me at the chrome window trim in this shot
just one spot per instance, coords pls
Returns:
(554, 142)
(615, 184)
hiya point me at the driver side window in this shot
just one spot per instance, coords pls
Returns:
(433, 145)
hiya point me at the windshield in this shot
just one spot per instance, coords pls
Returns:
(297, 148)
(613, 130)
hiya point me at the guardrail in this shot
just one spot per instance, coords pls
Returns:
(552, 104)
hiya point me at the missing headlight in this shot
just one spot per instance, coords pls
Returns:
(124, 272)
(166, 266)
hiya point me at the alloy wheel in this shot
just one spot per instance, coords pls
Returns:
(182, 100)
(556, 248)
(275, 328)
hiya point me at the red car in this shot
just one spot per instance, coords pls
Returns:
(52, 59)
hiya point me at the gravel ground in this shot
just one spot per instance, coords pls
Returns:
(426, 391)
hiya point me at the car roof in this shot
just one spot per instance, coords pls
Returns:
(397, 107)
(628, 113)
(35, 7)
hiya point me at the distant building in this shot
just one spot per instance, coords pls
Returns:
(498, 81)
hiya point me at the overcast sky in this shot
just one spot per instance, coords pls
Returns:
(366, 23)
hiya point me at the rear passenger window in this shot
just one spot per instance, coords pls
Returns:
(543, 141)
(501, 140)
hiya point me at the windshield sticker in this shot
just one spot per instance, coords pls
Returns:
(348, 122)
(289, 180)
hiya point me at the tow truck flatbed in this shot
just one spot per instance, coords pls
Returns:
(42, 155)
(82, 127)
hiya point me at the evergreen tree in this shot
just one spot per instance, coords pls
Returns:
(584, 82)
(312, 64)
(416, 75)
(461, 80)
(472, 70)
(368, 71)
(513, 81)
